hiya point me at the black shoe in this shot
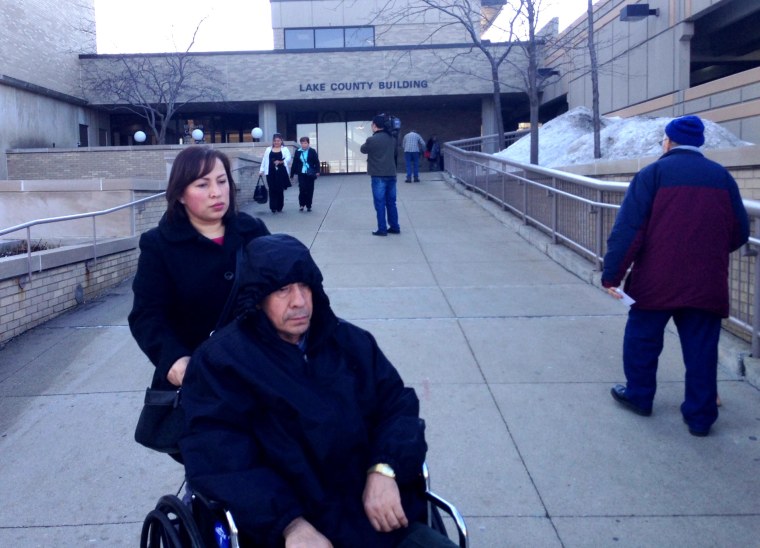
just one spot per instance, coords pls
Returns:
(695, 432)
(300, 208)
(408, 181)
(308, 208)
(416, 180)
(378, 233)
(394, 231)
(618, 394)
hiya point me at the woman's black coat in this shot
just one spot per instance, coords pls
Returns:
(311, 158)
(182, 283)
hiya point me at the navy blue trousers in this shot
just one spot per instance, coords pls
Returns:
(699, 332)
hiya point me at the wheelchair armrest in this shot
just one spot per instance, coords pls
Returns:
(450, 509)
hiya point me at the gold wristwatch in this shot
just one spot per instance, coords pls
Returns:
(383, 469)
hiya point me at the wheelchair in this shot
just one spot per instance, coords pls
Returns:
(207, 524)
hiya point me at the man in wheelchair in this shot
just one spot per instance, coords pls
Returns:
(298, 424)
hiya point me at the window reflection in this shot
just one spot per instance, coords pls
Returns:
(330, 38)
(338, 144)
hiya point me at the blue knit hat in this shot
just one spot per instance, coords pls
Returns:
(686, 130)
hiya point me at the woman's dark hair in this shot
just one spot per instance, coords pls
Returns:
(304, 138)
(275, 135)
(191, 164)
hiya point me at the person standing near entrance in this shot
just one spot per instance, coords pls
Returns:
(380, 149)
(433, 152)
(276, 166)
(679, 220)
(306, 166)
(411, 145)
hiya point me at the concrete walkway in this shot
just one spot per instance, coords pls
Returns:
(512, 356)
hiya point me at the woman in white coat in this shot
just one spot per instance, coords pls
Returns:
(276, 166)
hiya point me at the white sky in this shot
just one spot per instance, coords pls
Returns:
(151, 26)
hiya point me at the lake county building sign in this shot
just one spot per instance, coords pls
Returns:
(321, 87)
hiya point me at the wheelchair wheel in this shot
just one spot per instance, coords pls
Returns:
(170, 525)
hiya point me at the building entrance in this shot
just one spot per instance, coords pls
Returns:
(338, 144)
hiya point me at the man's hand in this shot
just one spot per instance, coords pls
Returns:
(301, 534)
(614, 292)
(382, 503)
(177, 372)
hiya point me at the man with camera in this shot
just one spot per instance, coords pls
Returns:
(380, 149)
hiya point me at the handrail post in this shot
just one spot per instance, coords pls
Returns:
(756, 303)
(28, 255)
(94, 241)
(599, 231)
(555, 212)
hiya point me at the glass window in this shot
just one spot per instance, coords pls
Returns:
(299, 38)
(356, 135)
(332, 148)
(328, 38)
(360, 37)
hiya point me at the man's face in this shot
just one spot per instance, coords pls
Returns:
(289, 309)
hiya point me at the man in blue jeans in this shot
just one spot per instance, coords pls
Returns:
(380, 149)
(411, 145)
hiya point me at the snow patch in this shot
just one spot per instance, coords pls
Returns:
(569, 139)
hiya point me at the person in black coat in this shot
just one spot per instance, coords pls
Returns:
(298, 423)
(306, 166)
(187, 263)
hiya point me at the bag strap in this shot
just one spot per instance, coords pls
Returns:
(233, 290)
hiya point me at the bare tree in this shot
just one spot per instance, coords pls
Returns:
(153, 86)
(523, 55)
(594, 81)
(528, 55)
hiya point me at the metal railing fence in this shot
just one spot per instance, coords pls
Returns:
(94, 214)
(578, 212)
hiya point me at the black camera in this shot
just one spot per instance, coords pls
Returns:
(391, 124)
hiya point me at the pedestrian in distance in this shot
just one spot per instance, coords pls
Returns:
(298, 423)
(433, 153)
(680, 219)
(411, 145)
(380, 149)
(276, 166)
(306, 166)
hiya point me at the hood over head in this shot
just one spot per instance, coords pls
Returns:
(274, 261)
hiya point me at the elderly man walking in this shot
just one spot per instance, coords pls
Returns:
(680, 219)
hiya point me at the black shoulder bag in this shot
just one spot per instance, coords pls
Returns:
(162, 419)
(260, 193)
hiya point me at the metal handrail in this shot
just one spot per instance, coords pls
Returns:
(579, 211)
(28, 226)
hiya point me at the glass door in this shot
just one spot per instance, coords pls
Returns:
(338, 144)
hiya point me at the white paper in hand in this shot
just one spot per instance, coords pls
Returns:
(626, 300)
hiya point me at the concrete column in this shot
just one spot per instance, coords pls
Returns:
(488, 124)
(684, 33)
(268, 120)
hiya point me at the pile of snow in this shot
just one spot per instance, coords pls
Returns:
(569, 139)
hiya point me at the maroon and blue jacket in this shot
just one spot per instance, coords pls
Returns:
(680, 219)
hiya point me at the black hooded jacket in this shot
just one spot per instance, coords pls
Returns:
(182, 283)
(276, 433)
